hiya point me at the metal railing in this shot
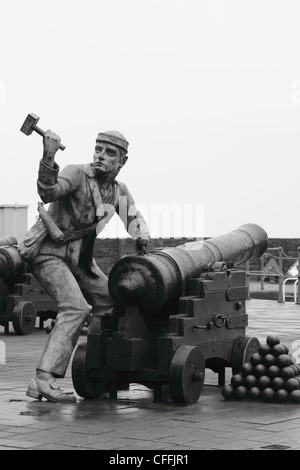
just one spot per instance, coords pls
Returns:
(282, 279)
(295, 287)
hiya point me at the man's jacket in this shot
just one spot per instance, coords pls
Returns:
(76, 205)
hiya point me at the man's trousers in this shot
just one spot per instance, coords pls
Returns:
(76, 295)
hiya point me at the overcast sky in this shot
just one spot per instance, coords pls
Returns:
(206, 92)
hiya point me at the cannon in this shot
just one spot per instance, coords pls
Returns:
(21, 297)
(177, 311)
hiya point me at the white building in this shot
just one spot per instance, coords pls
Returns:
(13, 221)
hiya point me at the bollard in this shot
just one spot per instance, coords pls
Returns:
(298, 290)
(261, 269)
(280, 288)
(248, 278)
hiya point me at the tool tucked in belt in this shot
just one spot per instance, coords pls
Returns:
(56, 234)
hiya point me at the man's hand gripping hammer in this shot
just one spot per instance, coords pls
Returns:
(29, 126)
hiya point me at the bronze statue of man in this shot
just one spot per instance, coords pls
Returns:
(82, 200)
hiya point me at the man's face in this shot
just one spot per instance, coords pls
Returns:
(107, 158)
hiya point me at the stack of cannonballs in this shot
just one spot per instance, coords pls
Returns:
(271, 375)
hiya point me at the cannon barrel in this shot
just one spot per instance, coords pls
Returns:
(152, 280)
(8, 240)
(11, 263)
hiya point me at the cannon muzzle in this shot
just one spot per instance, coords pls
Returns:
(152, 280)
(11, 263)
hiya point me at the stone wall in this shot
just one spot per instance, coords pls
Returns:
(109, 250)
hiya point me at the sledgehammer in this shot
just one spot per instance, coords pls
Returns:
(30, 125)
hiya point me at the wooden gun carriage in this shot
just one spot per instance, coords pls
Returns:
(22, 299)
(177, 312)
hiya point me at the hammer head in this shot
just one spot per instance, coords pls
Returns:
(29, 124)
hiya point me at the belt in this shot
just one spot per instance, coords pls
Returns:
(59, 237)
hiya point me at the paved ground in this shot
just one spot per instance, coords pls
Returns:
(134, 422)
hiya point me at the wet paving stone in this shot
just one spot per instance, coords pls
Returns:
(134, 421)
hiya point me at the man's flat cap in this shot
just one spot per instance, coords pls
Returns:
(113, 137)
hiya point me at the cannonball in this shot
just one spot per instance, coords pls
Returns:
(294, 396)
(283, 360)
(286, 349)
(246, 369)
(272, 339)
(256, 359)
(277, 383)
(281, 395)
(263, 382)
(260, 370)
(240, 391)
(237, 380)
(287, 373)
(278, 349)
(269, 360)
(250, 381)
(227, 391)
(291, 384)
(264, 349)
(273, 371)
(254, 393)
(268, 394)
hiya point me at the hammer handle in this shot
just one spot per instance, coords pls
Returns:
(42, 133)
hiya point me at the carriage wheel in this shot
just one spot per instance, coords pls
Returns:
(24, 317)
(186, 375)
(85, 386)
(243, 348)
